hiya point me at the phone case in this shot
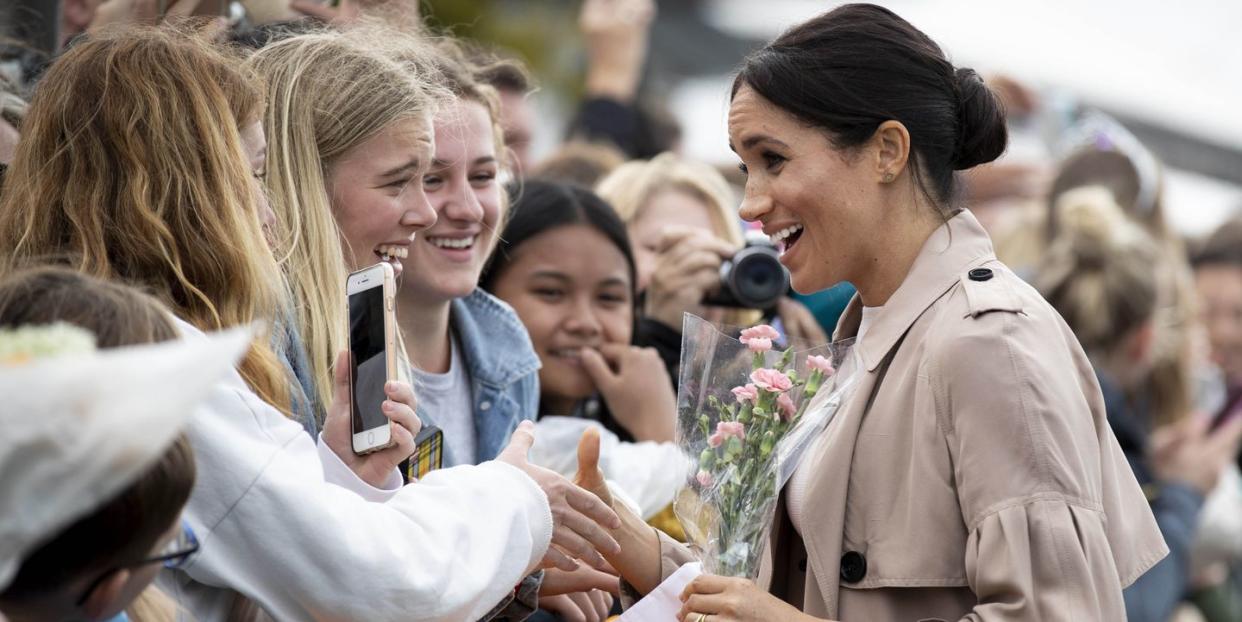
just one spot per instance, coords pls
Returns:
(428, 453)
(390, 350)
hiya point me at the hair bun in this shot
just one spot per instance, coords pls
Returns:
(981, 132)
(1093, 224)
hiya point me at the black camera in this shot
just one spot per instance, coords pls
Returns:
(753, 278)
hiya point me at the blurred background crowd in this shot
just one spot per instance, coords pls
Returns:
(1119, 198)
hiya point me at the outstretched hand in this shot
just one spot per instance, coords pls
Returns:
(580, 519)
(616, 33)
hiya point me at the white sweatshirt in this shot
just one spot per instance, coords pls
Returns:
(287, 524)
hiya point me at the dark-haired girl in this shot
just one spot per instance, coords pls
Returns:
(565, 264)
(972, 475)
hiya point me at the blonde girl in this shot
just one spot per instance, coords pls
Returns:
(139, 162)
(351, 139)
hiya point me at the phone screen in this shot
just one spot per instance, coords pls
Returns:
(368, 370)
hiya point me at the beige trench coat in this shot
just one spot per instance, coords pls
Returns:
(983, 481)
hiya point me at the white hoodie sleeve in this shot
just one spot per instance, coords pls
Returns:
(272, 528)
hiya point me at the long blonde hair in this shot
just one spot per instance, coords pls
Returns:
(327, 93)
(131, 167)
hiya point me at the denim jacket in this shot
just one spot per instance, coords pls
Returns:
(503, 369)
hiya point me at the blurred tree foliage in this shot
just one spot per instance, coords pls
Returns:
(544, 34)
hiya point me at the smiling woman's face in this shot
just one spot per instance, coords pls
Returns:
(461, 185)
(815, 200)
(571, 288)
(377, 193)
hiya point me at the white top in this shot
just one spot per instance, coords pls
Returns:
(446, 398)
(649, 473)
(286, 523)
(795, 500)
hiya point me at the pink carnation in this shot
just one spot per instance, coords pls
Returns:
(771, 380)
(724, 430)
(758, 344)
(762, 331)
(704, 478)
(747, 393)
(821, 364)
(785, 404)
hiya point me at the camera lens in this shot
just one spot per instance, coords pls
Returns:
(758, 279)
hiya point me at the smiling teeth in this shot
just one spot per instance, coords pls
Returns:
(392, 250)
(453, 242)
(783, 234)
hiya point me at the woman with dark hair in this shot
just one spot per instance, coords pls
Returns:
(564, 263)
(972, 475)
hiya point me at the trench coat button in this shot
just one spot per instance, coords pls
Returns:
(980, 274)
(802, 564)
(853, 567)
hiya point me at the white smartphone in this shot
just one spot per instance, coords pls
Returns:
(372, 350)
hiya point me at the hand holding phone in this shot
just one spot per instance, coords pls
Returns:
(371, 424)
(375, 468)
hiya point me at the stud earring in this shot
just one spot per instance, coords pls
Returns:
(888, 177)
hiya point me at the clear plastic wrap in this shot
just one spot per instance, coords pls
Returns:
(747, 411)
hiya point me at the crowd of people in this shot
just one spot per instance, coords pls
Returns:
(1055, 437)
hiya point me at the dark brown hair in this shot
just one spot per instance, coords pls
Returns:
(857, 66)
(126, 528)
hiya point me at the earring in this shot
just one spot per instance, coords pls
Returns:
(888, 177)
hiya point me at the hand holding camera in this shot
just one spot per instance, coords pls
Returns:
(695, 269)
(687, 269)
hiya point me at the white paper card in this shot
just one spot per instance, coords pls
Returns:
(663, 603)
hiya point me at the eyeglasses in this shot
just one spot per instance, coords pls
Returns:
(178, 551)
(174, 555)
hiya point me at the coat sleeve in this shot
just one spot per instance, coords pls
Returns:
(273, 528)
(1034, 463)
(1155, 595)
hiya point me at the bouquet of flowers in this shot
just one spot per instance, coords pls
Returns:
(747, 412)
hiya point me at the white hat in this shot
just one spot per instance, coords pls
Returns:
(76, 429)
